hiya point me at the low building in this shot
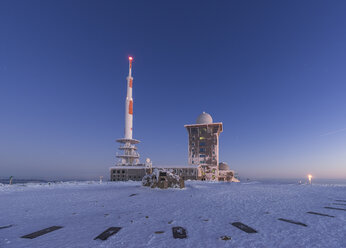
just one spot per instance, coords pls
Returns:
(126, 173)
(136, 173)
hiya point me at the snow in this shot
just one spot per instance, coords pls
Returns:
(205, 209)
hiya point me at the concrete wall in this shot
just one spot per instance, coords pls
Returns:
(185, 173)
(125, 174)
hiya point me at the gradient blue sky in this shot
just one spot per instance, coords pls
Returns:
(274, 72)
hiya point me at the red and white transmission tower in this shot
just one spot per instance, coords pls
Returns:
(128, 149)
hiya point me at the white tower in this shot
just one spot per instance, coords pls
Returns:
(128, 149)
(129, 104)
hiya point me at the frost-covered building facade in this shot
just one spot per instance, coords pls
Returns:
(203, 149)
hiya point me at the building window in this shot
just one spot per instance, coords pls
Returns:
(201, 149)
(201, 143)
(123, 171)
(201, 138)
(193, 144)
(202, 155)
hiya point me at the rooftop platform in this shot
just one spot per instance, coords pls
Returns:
(131, 141)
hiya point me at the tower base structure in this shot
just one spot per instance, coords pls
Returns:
(128, 155)
(128, 166)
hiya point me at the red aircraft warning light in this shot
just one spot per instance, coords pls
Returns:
(130, 58)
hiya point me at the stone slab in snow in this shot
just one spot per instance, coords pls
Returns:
(109, 232)
(293, 222)
(3, 227)
(179, 232)
(41, 232)
(327, 215)
(244, 227)
(342, 209)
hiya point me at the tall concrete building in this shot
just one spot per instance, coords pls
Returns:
(203, 147)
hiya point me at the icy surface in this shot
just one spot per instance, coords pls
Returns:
(86, 209)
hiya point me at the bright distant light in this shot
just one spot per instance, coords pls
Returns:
(130, 58)
(310, 177)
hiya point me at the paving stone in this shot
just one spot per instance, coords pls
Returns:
(109, 232)
(41, 232)
(327, 215)
(3, 227)
(179, 232)
(293, 222)
(342, 209)
(244, 227)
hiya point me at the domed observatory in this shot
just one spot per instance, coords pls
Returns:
(204, 118)
(226, 174)
(203, 148)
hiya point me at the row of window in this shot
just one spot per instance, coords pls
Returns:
(203, 161)
(135, 177)
(201, 143)
(201, 155)
(204, 130)
(130, 177)
(184, 171)
(200, 138)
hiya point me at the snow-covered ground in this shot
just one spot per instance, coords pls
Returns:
(85, 209)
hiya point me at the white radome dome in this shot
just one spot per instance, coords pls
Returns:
(223, 166)
(204, 118)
